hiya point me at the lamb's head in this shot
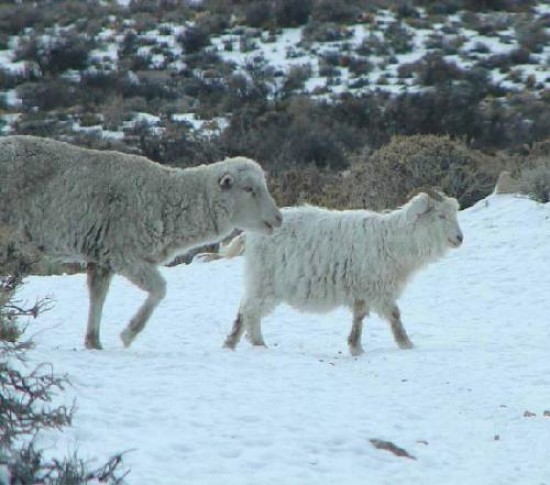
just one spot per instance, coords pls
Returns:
(253, 208)
(438, 213)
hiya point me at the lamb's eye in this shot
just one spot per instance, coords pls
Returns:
(441, 216)
(250, 190)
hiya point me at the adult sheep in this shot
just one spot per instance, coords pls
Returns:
(321, 259)
(122, 213)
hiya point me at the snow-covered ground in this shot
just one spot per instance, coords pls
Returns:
(468, 402)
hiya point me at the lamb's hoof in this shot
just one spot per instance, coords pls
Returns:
(406, 345)
(127, 337)
(229, 344)
(261, 346)
(356, 351)
(256, 342)
(93, 344)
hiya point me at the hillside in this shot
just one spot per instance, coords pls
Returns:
(470, 402)
(321, 80)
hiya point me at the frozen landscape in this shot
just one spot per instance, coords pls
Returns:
(469, 404)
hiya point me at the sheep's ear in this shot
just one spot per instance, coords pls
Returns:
(226, 181)
(419, 206)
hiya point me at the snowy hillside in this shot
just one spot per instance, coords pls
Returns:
(148, 75)
(470, 403)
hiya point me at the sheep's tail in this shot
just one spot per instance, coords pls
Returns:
(233, 248)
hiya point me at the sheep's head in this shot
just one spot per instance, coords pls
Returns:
(253, 208)
(431, 206)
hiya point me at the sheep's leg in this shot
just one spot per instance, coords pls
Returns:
(360, 311)
(393, 315)
(99, 279)
(148, 278)
(236, 332)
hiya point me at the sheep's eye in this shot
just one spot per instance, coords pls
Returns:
(250, 190)
(441, 216)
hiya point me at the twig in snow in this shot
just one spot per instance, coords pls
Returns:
(389, 446)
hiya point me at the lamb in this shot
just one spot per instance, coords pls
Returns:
(321, 259)
(122, 214)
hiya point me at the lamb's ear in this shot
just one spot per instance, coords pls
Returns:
(418, 206)
(226, 181)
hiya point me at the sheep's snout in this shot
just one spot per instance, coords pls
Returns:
(457, 240)
(278, 219)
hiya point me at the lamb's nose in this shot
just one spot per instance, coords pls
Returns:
(460, 238)
(279, 219)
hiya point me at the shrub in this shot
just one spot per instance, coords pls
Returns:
(15, 18)
(324, 32)
(373, 46)
(306, 185)
(399, 38)
(193, 39)
(49, 94)
(534, 180)
(433, 69)
(290, 13)
(296, 79)
(338, 11)
(25, 404)
(57, 54)
(384, 179)
(258, 14)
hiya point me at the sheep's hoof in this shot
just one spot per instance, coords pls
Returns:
(127, 337)
(93, 344)
(405, 345)
(356, 351)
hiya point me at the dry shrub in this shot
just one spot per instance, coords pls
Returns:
(534, 180)
(306, 185)
(383, 179)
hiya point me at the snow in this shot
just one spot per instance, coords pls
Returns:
(303, 410)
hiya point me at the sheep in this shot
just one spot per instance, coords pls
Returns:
(321, 259)
(122, 214)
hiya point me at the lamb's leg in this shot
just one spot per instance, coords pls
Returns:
(360, 311)
(253, 308)
(237, 331)
(253, 325)
(393, 315)
(99, 279)
(147, 277)
(249, 318)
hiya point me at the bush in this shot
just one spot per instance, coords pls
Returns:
(290, 13)
(54, 55)
(258, 14)
(306, 185)
(383, 179)
(399, 38)
(193, 39)
(50, 94)
(324, 32)
(534, 180)
(297, 131)
(433, 69)
(26, 410)
(338, 11)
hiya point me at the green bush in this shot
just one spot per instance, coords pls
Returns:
(194, 39)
